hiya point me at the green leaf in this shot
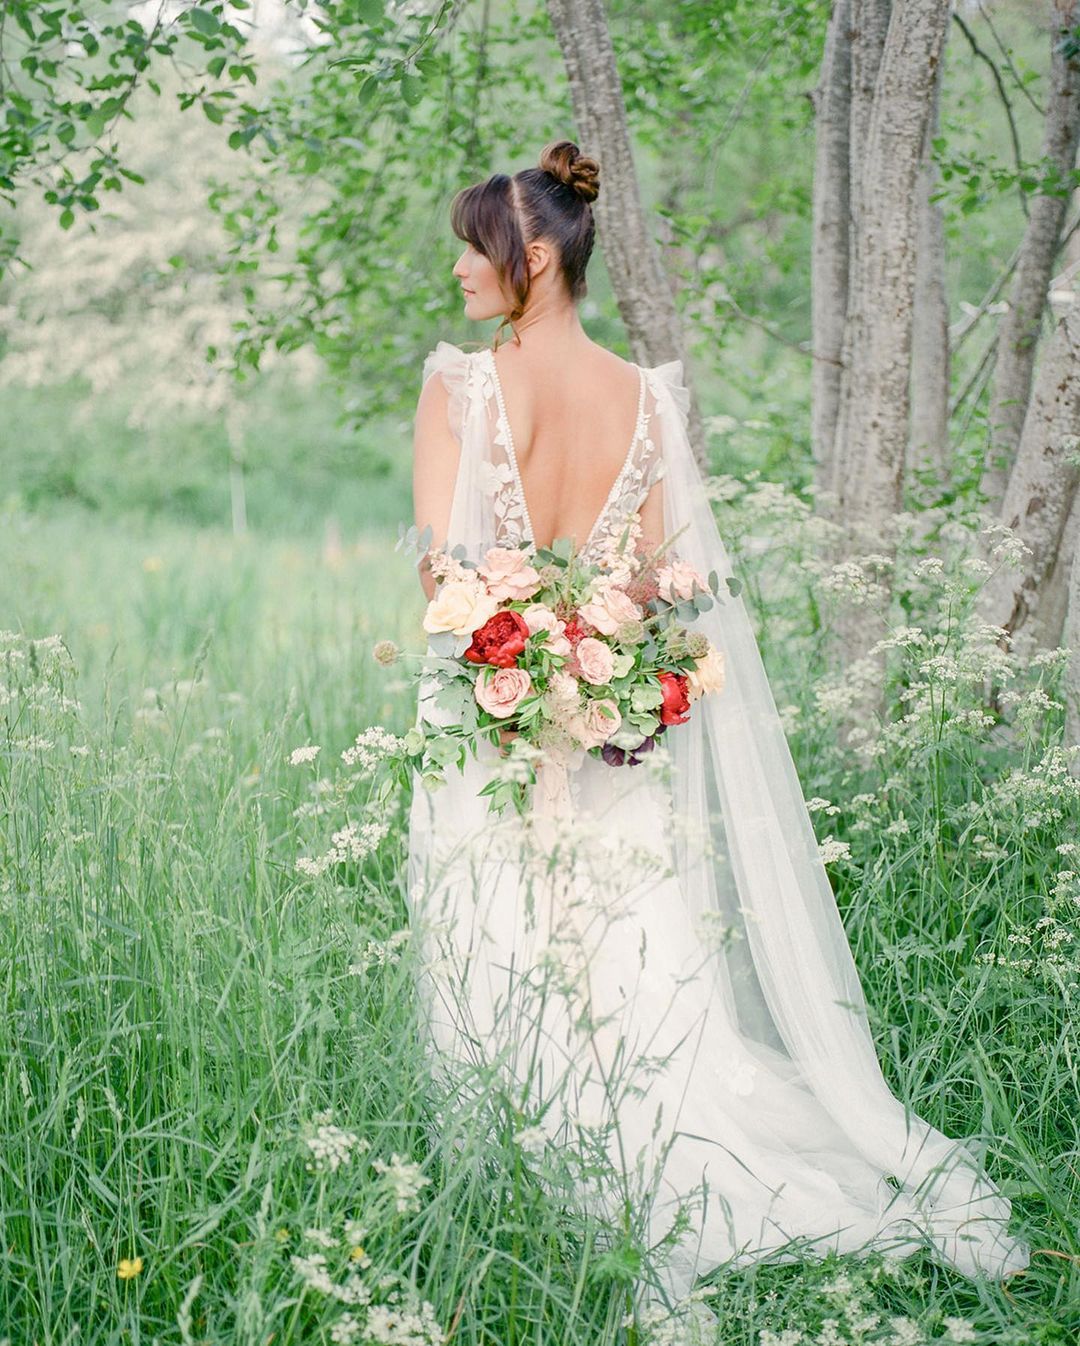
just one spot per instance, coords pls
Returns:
(734, 585)
(203, 21)
(412, 89)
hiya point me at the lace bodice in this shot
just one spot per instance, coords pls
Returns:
(477, 392)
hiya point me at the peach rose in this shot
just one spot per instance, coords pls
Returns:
(608, 608)
(508, 573)
(596, 724)
(501, 692)
(596, 661)
(677, 579)
(460, 606)
(707, 674)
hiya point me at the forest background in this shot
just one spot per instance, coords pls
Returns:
(225, 254)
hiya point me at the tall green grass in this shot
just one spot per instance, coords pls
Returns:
(213, 1075)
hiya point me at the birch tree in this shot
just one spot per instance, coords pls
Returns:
(872, 424)
(1021, 324)
(639, 281)
(1042, 485)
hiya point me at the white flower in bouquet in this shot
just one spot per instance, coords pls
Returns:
(460, 606)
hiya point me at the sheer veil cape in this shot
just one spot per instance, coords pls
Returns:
(747, 857)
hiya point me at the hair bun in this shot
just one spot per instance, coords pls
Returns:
(563, 160)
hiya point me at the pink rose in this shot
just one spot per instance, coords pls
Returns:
(501, 692)
(508, 573)
(596, 724)
(608, 609)
(539, 617)
(595, 660)
(677, 579)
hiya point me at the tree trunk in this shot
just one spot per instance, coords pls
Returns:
(1014, 368)
(829, 270)
(1042, 485)
(638, 279)
(872, 430)
(928, 443)
(1071, 683)
(1048, 623)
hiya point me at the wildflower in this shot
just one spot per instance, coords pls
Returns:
(332, 1147)
(385, 652)
(831, 849)
(531, 1139)
(404, 1179)
(959, 1329)
(906, 1332)
(129, 1268)
(371, 747)
(307, 753)
(380, 953)
(351, 842)
(411, 1324)
(345, 1330)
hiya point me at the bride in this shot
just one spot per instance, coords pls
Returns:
(653, 953)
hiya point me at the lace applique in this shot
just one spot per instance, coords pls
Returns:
(499, 478)
(641, 470)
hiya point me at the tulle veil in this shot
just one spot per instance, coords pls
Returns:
(746, 854)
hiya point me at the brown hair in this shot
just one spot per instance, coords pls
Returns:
(552, 201)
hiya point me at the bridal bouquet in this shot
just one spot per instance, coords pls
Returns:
(551, 657)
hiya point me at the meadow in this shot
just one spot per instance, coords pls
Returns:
(219, 1122)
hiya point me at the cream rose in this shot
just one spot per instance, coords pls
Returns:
(677, 579)
(596, 724)
(509, 574)
(608, 608)
(707, 674)
(596, 661)
(460, 606)
(500, 693)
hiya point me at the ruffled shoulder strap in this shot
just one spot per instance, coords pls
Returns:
(453, 366)
(669, 376)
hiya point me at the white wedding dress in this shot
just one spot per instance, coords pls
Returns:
(654, 956)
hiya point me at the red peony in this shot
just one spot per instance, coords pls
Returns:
(500, 640)
(676, 707)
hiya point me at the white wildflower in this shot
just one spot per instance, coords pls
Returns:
(404, 1179)
(307, 753)
(531, 1139)
(331, 1146)
(371, 747)
(831, 850)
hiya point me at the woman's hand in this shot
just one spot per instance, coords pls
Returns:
(506, 737)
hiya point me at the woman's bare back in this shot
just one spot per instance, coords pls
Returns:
(572, 422)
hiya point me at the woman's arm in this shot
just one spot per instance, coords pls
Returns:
(435, 463)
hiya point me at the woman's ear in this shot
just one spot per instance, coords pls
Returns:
(537, 256)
